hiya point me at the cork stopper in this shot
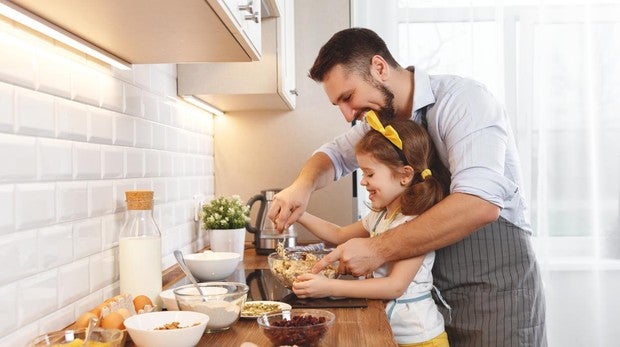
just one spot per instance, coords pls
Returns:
(139, 199)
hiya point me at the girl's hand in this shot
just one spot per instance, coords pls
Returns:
(311, 286)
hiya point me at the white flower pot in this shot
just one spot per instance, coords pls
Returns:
(227, 240)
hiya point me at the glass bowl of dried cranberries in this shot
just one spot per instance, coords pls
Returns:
(302, 327)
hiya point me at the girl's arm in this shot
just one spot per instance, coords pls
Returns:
(331, 232)
(390, 287)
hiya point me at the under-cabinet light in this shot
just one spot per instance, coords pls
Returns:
(203, 105)
(13, 12)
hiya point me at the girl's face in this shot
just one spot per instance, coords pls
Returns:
(383, 186)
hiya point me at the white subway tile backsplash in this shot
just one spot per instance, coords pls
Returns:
(8, 302)
(133, 100)
(55, 159)
(73, 282)
(18, 67)
(7, 222)
(55, 246)
(112, 162)
(34, 113)
(71, 120)
(142, 75)
(134, 162)
(86, 161)
(37, 296)
(103, 269)
(100, 126)
(143, 133)
(150, 107)
(166, 164)
(35, 205)
(54, 75)
(151, 163)
(86, 85)
(159, 136)
(165, 112)
(87, 237)
(172, 189)
(21, 153)
(112, 93)
(18, 255)
(100, 198)
(124, 130)
(21, 337)
(7, 102)
(159, 189)
(57, 320)
(111, 227)
(72, 200)
(172, 143)
(77, 135)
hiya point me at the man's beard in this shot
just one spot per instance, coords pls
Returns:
(386, 112)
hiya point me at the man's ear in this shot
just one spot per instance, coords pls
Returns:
(379, 68)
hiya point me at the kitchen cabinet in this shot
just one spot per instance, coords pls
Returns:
(268, 84)
(161, 31)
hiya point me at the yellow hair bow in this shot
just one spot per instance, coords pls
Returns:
(389, 132)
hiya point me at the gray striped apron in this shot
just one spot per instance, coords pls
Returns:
(492, 282)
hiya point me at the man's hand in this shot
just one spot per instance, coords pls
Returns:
(287, 206)
(357, 257)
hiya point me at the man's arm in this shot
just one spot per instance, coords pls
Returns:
(290, 203)
(448, 222)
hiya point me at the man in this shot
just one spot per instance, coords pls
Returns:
(485, 266)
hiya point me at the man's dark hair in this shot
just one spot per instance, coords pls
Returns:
(354, 49)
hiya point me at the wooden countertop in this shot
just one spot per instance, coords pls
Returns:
(357, 327)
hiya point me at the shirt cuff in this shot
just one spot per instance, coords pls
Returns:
(485, 184)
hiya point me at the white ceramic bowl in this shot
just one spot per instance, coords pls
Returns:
(212, 266)
(170, 302)
(141, 328)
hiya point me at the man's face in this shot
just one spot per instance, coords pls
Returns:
(355, 95)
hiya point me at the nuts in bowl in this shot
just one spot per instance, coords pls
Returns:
(286, 266)
(303, 327)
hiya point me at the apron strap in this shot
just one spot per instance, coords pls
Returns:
(444, 303)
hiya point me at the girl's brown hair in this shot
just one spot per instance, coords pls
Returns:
(421, 194)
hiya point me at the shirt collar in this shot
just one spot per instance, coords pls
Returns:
(422, 92)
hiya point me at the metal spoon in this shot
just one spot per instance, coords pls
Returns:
(179, 255)
(89, 330)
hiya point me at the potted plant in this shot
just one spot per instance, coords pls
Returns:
(225, 218)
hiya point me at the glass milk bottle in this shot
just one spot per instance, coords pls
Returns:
(140, 248)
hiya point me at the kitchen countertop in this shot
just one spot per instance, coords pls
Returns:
(357, 327)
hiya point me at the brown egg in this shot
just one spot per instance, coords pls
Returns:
(124, 312)
(82, 321)
(97, 310)
(114, 320)
(140, 301)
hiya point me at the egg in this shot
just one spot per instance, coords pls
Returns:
(140, 301)
(113, 320)
(124, 312)
(97, 310)
(82, 321)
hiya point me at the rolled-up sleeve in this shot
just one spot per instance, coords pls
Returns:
(476, 140)
(341, 150)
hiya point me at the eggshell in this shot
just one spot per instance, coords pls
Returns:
(82, 321)
(114, 320)
(140, 301)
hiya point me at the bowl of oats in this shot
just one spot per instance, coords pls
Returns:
(166, 328)
(287, 265)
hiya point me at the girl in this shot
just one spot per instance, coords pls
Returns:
(404, 177)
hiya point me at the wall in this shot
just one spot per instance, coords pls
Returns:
(266, 149)
(74, 135)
